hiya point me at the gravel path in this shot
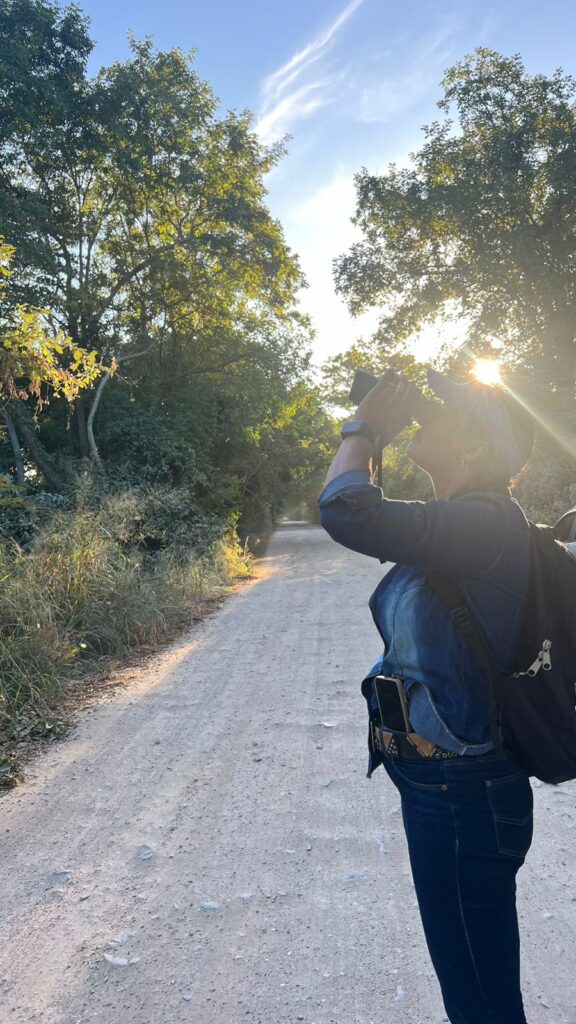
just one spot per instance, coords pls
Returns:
(206, 847)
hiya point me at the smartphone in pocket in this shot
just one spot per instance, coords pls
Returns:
(392, 703)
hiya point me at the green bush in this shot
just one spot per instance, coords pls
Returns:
(23, 511)
(547, 486)
(139, 447)
(87, 590)
(155, 518)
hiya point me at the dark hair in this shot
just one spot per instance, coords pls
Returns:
(493, 473)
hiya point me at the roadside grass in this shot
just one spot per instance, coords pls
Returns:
(79, 600)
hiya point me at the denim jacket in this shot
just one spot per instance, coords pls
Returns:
(481, 538)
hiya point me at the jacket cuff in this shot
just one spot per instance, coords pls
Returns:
(353, 482)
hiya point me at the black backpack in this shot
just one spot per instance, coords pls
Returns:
(535, 708)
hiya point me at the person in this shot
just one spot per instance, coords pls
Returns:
(466, 803)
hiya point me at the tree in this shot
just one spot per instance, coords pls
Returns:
(139, 219)
(286, 458)
(138, 215)
(31, 369)
(483, 224)
(338, 372)
(30, 357)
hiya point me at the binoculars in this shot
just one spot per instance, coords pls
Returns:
(424, 409)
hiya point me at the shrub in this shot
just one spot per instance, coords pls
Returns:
(156, 518)
(138, 446)
(547, 486)
(87, 590)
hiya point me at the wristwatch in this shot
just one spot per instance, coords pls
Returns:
(359, 427)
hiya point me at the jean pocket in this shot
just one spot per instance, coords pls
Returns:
(511, 801)
(412, 774)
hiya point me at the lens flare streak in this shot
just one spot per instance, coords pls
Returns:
(487, 371)
(554, 430)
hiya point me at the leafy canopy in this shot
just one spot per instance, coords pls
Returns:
(134, 210)
(482, 225)
(32, 358)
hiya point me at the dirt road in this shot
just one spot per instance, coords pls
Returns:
(206, 848)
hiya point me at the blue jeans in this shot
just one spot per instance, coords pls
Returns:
(468, 822)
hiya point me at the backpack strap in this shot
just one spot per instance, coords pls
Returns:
(446, 588)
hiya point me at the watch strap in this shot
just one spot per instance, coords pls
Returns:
(353, 427)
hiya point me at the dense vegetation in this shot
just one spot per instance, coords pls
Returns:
(155, 379)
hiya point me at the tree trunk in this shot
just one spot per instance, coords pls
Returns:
(81, 424)
(41, 461)
(94, 453)
(15, 442)
(91, 441)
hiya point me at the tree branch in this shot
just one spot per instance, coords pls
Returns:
(98, 398)
(204, 369)
(125, 279)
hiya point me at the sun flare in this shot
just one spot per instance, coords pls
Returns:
(487, 371)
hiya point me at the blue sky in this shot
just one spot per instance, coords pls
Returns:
(352, 83)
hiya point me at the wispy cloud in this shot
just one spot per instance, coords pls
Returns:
(286, 98)
(379, 97)
(389, 72)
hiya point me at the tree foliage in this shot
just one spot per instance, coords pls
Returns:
(138, 216)
(481, 228)
(31, 358)
(482, 225)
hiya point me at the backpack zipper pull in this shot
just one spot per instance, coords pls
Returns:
(543, 661)
(534, 667)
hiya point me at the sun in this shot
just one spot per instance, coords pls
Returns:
(487, 371)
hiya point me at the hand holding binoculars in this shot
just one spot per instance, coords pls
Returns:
(422, 409)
